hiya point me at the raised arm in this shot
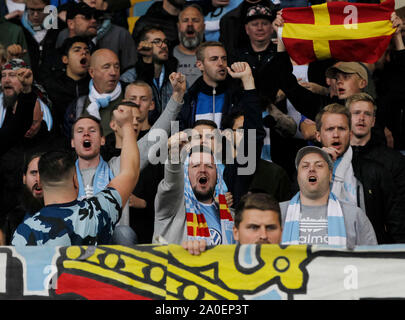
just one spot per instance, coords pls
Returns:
(127, 179)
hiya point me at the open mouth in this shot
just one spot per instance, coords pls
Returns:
(37, 189)
(83, 61)
(86, 144)
(341, 90)
(336, 144)
(190, 32)
(312, 179)
(203, 180)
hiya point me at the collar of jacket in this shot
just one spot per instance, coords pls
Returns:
(201, 86)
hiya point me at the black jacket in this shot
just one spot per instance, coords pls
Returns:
(381, 199)
(232, 25)
(237, 182)
(391, 96)
(394, 163)
(255, 59)
(278, 74)
(234, 97)
(39, 52)
(62, 90)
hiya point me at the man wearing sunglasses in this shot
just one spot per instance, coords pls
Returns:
(83, 20)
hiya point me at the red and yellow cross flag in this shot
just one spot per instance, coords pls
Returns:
(341, 30)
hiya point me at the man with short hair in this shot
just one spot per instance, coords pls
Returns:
(260, 49)
(64, 86)
(367, 145)
(87, 222)
(194, 215)
(257, 221)
(232, 29)
(214, 93)
(105, 90)
(83, 20)
(93, 172)
(201, 176)
(191, 34)
(366, 184)
(141, 204)
(338, 222)
(154, 66)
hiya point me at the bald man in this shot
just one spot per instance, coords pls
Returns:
(105, 90)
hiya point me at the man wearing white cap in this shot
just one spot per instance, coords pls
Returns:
(314, 215)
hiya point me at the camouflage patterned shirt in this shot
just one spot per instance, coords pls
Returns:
(87, 222)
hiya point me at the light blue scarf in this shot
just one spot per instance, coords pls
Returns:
(336, 223)
(196, 224)
(98, 100)
(27, 24)
(102, 178)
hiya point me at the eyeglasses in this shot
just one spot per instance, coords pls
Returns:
(36, 10)
(159, 42)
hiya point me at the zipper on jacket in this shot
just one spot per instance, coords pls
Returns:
(213, 103)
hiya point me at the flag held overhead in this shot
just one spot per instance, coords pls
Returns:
(341, 30)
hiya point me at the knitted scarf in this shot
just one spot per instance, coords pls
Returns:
(102, 178)
(98, 100)
(197, 227)
(336, 223)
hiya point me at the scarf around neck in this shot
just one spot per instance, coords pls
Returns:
(101, 179)
(336, 223)
(197, 227)
(98, 100)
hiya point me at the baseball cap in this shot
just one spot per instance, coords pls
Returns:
(347, 67)
(80, 8)
(259, 12)
(312, 149)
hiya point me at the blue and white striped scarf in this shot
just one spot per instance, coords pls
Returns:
(336, 223)
(98, 100)
(193, 207)
(102, 178)
(46, 116)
